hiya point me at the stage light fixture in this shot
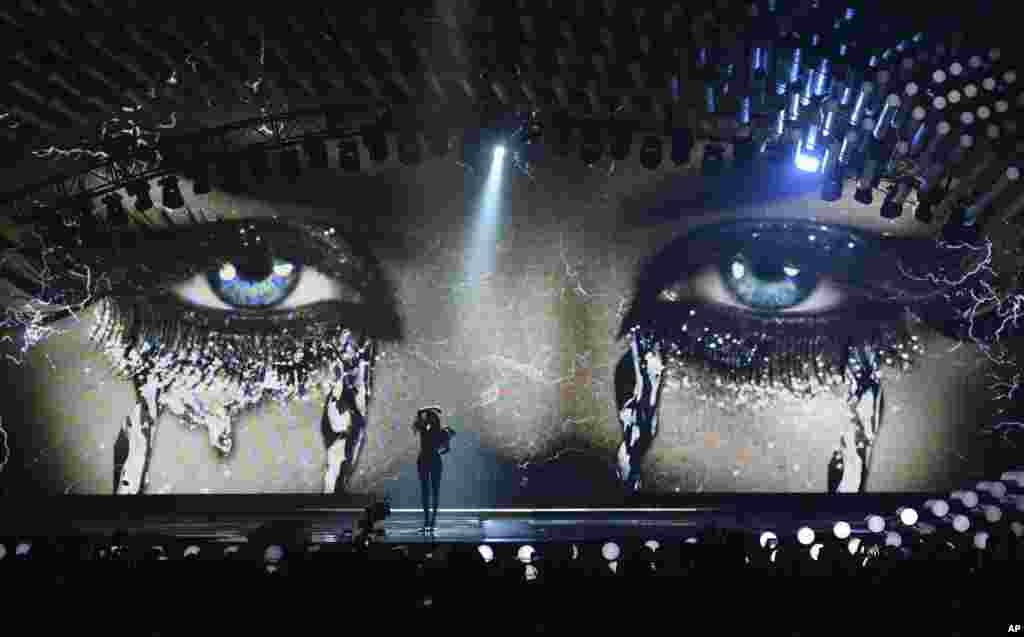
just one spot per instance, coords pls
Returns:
(140, 190)
(170, 193)
(592, 146)
(744, 150)
(805, 535)
(563, 134)
(534, 129)
(439, 141)
(621, 142)
(713, 163)
(259, 164)
(651, 152)
(291, 166)
(200, 176)
(409, 151)
(682, 146)
(348, 155)
(116, 214)
(809, 153)
(832, 186)
(376, 143)
(316, 152)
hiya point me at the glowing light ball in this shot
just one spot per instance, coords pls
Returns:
(525, 553)
(274, 553)
(892, 538)
(841, 530)
(191, 550)
(486, 552)
(853, 545)
(807, 163)
(939, 508)
(993, 513)
(499, 152)
(767, 537)
(652, 544)
(876, 524)
(961, 523)
(908, 516)
(805, 535)
(610, 551)
(23, 548)
(816, 550)
(981, 540)
(1017, 528)
(968, 498)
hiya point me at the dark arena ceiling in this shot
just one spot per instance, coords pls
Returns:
(76, 69)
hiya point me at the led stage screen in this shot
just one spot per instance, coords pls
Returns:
(586, 332)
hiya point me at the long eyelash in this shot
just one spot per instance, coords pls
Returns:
(777, 363)
(278, 365)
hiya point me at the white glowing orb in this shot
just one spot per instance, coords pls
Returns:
(981, 540)
(850, 245)
(969, 498)
(228, 272)
(1017, 528)
(767, 537)
(771, 557)
(23, 548)
(816, 550)
(284, 269)
(892, 538)
(961, 523)
(486, 552)
(853, 545)
(993, 513)
(652, 545)
(841, 530)
(790, 270)
(525, 553)
(807, 163)
(499, 152)
(191, 550)
(940, 508)
(805, 535)
(876, 524)
(274, 553)
(610, 551)
(738, 270)
(908, 516)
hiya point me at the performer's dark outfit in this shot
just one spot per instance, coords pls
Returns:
(434, 442)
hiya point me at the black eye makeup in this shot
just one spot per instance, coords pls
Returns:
(770, 308)
(209, 319)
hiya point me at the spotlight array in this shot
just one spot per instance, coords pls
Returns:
(140, 190)
(171, 194)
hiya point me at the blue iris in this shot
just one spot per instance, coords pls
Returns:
(233, 286)
(768, 283)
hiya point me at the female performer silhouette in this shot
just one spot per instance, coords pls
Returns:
(434, 442)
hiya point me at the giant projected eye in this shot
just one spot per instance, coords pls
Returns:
(282, 284)
(773, 268)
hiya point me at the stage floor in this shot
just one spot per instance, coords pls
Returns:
(321, 520)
